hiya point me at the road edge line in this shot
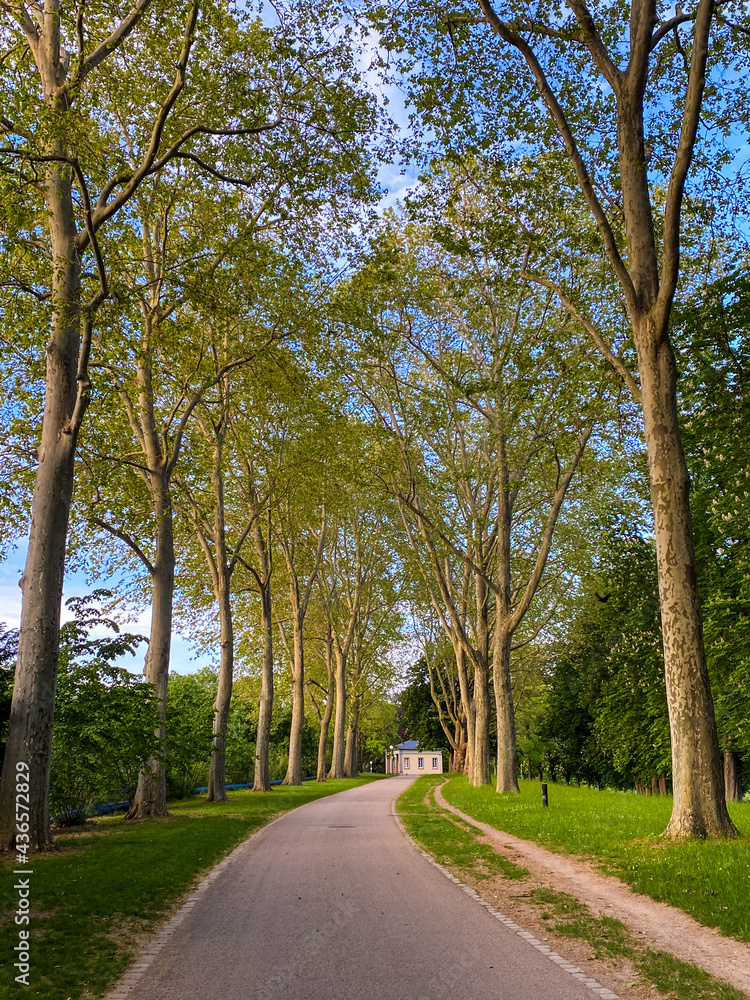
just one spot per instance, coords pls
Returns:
(578, 974)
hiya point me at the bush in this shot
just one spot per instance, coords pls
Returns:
(105, 717)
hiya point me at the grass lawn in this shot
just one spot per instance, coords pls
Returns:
(621, 830)
(113, 880)
(451, 841)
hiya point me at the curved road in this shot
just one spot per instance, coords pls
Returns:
(331, 902)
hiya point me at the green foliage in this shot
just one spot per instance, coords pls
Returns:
(105, 716)
(419, 715)
(606, 718)
(711, 335)
(188, 742)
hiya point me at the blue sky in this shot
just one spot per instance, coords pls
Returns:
(185, 659)
(393, 177)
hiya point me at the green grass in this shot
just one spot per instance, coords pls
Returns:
(113, 879)
(454, 845)
(566, 916)
(449, 841)
(710, 880)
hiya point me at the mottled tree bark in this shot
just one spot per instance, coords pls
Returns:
(351, 754)
(262, 779)
(66, 399)
(151, 794)
(325, 719)
(469, 709)
(699, 807)
(482, 704)
(507, 757)
(299, 601)
(217, 777)
(339, 725)
(649, 279)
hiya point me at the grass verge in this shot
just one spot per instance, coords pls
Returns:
(112, 881)
(450, 841)
(453, 843)
(620, 830)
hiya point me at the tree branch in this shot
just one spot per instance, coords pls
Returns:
(100, 53)
(595, 45)
(683, 158)
(125, 537)
(581, 171)
(600, 342)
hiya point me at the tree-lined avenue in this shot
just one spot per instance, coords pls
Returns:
(332, 901)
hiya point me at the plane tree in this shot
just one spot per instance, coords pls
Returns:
(490, 394)
(635, 103)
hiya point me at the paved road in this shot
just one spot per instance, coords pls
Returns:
(331, 902)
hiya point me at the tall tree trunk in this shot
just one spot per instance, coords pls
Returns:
(481, 751)
(294, 768)
(30, 727)
(299, 601)
(481, 754)
(217, 778)
(699, 808)
(151, 794)
(325, 721)
(262, 780)
(337, 759)
(467, 700)
(221, 572)
(507, 762)
(732, 777)
(351, 756)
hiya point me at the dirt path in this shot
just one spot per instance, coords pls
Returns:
(656, 925)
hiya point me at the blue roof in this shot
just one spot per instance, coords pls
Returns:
(408, 745)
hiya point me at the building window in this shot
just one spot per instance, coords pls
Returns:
(407, 763)
(420, 762)
(434, 763)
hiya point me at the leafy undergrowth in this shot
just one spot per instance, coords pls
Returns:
(453, 843)
(707, 879)
(114, 880)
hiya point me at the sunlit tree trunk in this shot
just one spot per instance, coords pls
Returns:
(325, 720)
(262, 779)
(217, 778)
(151, 794)
(648, 275)
(507, 756)
(351, 755)
(699, 807)
(30, 725)
(294, 768)
(339, 725)
(482, 704)
(467, 699)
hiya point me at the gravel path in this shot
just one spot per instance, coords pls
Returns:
(657, 925)
(332, 902)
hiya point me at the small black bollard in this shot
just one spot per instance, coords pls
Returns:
(545, 800)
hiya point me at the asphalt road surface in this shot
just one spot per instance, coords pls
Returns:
(331, 902)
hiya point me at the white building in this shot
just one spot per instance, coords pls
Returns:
(407, 759)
